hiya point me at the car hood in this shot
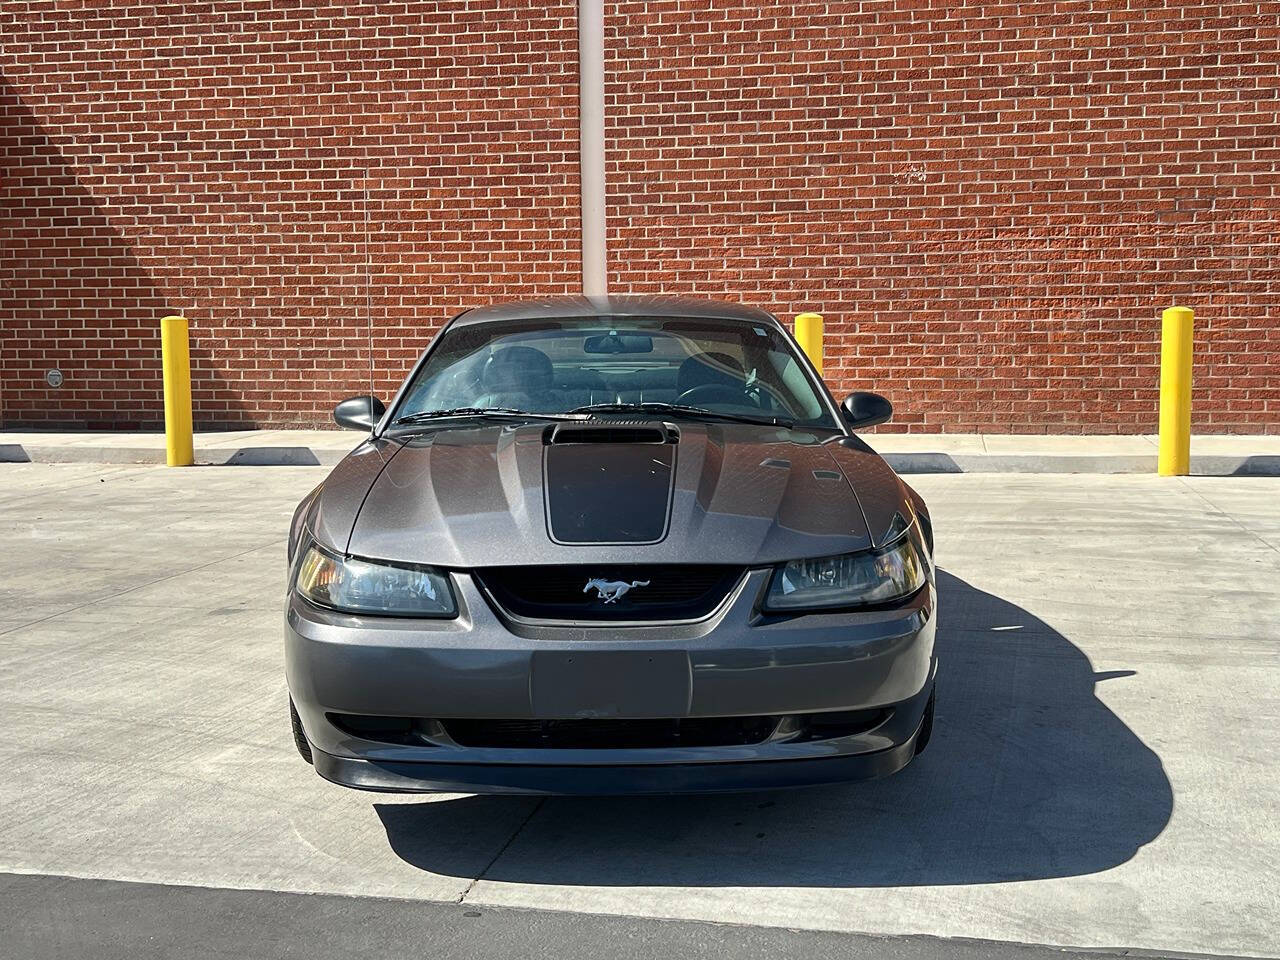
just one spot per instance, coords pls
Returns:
(503, 494)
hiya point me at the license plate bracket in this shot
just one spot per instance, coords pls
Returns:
(611, 683)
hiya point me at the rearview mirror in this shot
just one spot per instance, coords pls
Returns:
(358, 413)
(614, 342)
(864, 409)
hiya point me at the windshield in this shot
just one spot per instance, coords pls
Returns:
(558, 366)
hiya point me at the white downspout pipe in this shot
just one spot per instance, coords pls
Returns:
(595, 281)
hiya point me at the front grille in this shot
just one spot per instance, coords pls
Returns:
(611, 734)
(643, 592)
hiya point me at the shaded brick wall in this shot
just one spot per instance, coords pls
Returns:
(990, 203)
(211, 158)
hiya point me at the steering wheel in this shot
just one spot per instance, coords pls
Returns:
(710, 393)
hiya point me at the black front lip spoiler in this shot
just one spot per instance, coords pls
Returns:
(612, 780)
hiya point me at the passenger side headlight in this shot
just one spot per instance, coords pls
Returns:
(362, 586)
(849, 580)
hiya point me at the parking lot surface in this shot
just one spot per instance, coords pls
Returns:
(1105, 770)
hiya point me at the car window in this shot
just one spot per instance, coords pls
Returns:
(555, 366)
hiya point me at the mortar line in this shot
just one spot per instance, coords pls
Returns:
(501, 850)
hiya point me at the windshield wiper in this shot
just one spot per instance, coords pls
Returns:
(681, 409)
(512, 413)
(424, 416)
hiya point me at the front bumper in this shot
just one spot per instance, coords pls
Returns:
(736, 663)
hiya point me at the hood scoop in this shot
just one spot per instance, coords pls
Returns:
(609, 482)
(615, 431)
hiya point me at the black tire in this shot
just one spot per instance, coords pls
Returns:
(926, 724)
(300, 737)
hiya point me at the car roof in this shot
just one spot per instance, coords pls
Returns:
(616, 306)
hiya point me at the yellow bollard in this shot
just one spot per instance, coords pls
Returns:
(1175, 392)
(809, 336)
(176, 356)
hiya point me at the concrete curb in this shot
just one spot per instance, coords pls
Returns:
(1206, 466)
(205, 456)
(904, 463)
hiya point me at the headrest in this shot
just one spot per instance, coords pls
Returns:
(517, 370)
(709, 368)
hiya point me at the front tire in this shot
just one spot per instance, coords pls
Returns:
(300, 736)
(926, 723)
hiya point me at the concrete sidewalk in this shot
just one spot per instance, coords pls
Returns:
(907, 452)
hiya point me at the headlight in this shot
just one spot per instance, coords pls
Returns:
(851, 580)
(360, 586)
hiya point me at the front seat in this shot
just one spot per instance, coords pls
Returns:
(702, 369)
(580, 387)
(519, 377)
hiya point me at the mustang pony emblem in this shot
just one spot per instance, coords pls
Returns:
(611, 590)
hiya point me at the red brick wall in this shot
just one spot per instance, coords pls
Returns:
(990, 203)
(210, 158)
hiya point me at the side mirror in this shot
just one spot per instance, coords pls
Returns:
(358, 413)
(863, 409)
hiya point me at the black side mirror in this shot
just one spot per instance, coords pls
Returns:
(358, 413)
(864, 409)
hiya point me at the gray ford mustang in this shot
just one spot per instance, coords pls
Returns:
(621, 545)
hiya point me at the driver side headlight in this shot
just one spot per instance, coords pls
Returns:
(362, 586)
(849, 580)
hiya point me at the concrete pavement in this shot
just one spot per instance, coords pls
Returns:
(1212, 455)
(1104, 773)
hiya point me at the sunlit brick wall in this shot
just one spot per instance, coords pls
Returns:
(989, 202)
(212, 158)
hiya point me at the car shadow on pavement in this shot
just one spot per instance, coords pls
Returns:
(1029, 776)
